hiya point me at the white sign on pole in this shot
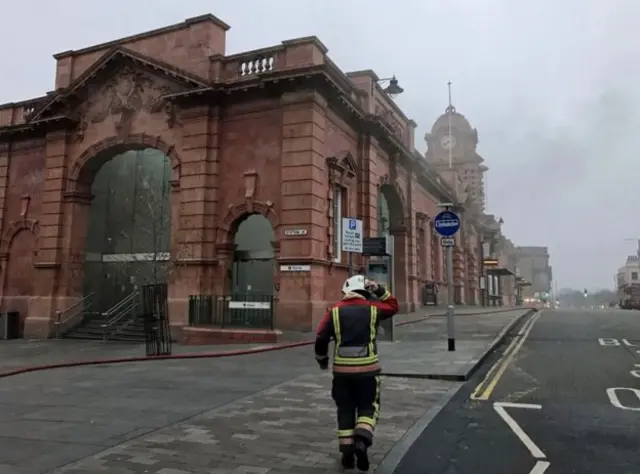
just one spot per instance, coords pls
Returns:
(351, 235)
(448, 242)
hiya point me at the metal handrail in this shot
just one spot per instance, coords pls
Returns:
(119, 311)
(118, 317)
(59, 314)
(116, 307)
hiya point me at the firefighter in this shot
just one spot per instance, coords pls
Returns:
(353, 324)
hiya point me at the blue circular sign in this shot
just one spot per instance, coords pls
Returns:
(447, 223)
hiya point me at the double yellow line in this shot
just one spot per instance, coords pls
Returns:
(485, 388)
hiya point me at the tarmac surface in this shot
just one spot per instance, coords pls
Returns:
(259, 413)
(562, 397)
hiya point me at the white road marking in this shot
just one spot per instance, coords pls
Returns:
(540, 467)
(615, 401)
(535, 451)
(530, 406)
(608, 341)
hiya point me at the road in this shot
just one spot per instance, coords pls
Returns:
(562, 396)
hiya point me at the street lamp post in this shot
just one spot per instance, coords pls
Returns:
(393, 89)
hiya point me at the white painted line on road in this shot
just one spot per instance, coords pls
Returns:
(535, 451)
(496, 372)
(608, 341)
(540, 467)
(615, 401)
(530, 406)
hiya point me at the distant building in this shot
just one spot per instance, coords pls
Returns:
(533, 266)
(629, 272)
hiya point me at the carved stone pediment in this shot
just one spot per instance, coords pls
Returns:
(123, 96)
(342, 168)
(129, 91)
(119, 85)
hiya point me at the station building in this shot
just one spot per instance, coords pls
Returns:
(158, 158)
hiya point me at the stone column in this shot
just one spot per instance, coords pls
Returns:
(400, 267)
(4, 181)
(50, 251)
(76, 210)
(195, 213)
(303, 205)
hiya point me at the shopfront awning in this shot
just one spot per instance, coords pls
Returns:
(499, 271)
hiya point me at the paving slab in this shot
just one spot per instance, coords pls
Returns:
(214, 415)
(51, 418)
(420, 349)
(287, 428)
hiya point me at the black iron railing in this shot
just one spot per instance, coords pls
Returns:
(154, 312)
(232, 311)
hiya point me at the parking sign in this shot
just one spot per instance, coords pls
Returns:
(351, 235)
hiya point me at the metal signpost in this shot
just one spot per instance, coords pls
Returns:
(447, 224)
(351, 239)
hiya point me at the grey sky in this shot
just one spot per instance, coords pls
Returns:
(553, 88)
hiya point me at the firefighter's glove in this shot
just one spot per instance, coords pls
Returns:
(323, 363)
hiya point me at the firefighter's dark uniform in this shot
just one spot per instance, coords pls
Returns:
(353, 323)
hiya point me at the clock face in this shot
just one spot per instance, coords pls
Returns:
(447, 142)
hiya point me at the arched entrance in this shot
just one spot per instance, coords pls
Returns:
(129, 226)
(252, 274)
(252, 271)
(391, 224)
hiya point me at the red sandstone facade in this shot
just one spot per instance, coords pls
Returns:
(266, 132)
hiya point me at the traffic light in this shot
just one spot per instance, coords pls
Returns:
(586, 293)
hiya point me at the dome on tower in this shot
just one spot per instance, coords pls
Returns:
(461, 128)
(458, 121)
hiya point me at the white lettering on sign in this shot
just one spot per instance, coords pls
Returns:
(295, 232)
(612, 393)
(607, 341)
(447, 223)
(295, 268)
(352, 235)
(448, 242)
(248, 305)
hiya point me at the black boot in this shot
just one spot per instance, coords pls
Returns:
(348, 460)
(362, 458)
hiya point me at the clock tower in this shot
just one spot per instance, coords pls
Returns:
(453, 138)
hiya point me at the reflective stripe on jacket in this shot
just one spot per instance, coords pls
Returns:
(353, 324)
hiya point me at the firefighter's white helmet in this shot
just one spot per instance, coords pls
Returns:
(354, 284)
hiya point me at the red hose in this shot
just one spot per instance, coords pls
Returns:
(122, 360)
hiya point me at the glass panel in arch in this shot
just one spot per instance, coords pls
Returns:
(119, 214)
(151, 232)
(255, 233)
(383, 216)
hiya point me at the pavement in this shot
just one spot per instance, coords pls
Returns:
(420, 350)
(20, 353)
(267, 413)
(562, 397)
